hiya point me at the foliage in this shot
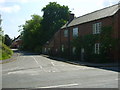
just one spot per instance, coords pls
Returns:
(37, 31)
(6, 51)
(2, 39)
(87, 42)
(106, 39)
(107, 44)
(65, 53)
(54, 16)
(8, 40)
(31, 34)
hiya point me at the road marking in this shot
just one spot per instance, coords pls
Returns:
(11, 73)
(116, 79)
(37, 62)
(59, 86)
(53, 63)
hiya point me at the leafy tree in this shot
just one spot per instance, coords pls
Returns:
(37, 31)
(6, 51)
(32, 32)
(1, 36)
(54, 17)
(8, 40)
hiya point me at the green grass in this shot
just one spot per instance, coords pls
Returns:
(5, 51)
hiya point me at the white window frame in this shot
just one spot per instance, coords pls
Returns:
(65, 33)
(49, 49)
(45, 49)
(97, 28)
(75, 32)
(97, 48)
(56, 50)
(62, 48)
(74, 49)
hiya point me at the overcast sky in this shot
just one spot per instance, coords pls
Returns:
(16, 12)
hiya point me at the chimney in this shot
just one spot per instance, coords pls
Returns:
(71, 17)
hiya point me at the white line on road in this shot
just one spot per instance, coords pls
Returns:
(59, 86)
(37, 62)
(53, 63)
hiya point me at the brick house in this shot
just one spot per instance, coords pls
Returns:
(16, 42)
(90, 23)
(53, 45)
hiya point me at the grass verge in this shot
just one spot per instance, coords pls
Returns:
(5, 52)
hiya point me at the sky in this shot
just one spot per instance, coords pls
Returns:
(15, 12)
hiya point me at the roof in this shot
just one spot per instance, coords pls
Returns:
(102, 13)
(17, 39)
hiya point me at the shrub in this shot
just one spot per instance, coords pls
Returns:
(107, 45)
(6, 52)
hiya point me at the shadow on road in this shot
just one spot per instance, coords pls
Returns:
(111, 66)
(28, 53)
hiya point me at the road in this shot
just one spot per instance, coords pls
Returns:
(37, 71)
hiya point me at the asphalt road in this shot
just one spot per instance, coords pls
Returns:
(37, 71)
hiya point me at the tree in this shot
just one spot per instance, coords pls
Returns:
(6, 51)
(37, 31)
(8, 40)
(32, 32)
(54, 17)
(2, 39)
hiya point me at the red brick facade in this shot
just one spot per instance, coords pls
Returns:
(59, 40)
(16, 43)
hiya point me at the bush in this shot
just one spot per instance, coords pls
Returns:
(38, 49)
(107, 45)
(6, 52)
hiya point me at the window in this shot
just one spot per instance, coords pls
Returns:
(97, 48)
(74, 48)
(49, 49)
(56, 50)
(65, 33)
(62, 48)
(75, 32)
(45, 50)
(96, 28)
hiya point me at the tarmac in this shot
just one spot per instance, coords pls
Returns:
(76, 62)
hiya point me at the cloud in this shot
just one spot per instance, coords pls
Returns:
(2, 1)
(110, 2)
(18, 1)
(9, 9)
(113, 1)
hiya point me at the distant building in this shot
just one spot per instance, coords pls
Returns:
(16, 42)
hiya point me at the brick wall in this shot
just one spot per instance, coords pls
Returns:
(84, 29)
